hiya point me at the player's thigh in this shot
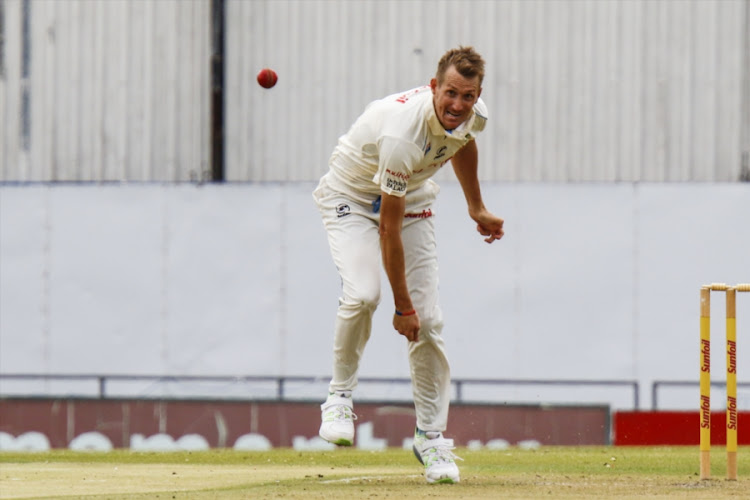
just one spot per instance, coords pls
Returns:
(420, 259)
(355, 248)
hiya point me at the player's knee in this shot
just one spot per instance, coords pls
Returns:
(432, 325)
(362, 299)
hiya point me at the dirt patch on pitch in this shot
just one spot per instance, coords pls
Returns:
(36, 480)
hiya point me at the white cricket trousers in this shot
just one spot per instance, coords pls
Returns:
(353, 236)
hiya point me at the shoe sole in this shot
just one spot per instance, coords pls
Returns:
(445, 480)
(338, 442)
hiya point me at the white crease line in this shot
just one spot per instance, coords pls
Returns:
(362, 478)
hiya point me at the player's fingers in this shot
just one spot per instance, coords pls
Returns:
(408, 333)
(495, 236)
(408, 327)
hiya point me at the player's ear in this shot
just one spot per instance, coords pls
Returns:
(433, 85)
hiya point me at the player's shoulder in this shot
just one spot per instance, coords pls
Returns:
(403, 114)
(409, 97)
(400, 103)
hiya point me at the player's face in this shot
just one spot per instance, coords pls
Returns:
(454, 98)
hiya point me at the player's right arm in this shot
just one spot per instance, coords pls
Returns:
(392, 210)
(465, 163)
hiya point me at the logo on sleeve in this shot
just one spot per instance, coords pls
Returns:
(342, 210)
(396, 181)
(395, 185)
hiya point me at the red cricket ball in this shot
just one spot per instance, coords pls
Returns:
(267, 78)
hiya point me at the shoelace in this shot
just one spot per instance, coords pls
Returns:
(341, 412)
(441, 454)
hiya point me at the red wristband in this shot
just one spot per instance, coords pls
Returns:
(406, 313)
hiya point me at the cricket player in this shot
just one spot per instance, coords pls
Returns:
(376, 204)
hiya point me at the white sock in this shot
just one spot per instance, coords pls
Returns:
(341, 394)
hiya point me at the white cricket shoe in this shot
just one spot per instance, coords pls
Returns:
(434, 452)
(337, 420)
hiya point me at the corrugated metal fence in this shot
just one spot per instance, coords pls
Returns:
(104, 90)
(578, 90)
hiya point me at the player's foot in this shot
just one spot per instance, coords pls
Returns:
(434, 452)
(337, 419)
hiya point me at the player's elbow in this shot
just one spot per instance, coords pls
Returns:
(390, 234)
(384, 231)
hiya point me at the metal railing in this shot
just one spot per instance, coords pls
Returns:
(281, 383)
(657, 384)
(632, 384)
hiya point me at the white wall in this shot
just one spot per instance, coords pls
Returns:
(592, 281)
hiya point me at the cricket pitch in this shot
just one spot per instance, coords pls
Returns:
(556, 472)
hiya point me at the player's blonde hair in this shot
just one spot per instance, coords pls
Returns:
(466, 60)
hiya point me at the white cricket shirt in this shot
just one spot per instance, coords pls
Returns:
(397, 144)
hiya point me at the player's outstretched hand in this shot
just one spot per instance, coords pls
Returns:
(408, 326)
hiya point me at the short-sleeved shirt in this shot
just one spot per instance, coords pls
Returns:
(398, 143)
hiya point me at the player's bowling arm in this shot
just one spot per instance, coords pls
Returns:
(465, 165)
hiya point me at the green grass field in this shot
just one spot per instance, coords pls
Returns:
(547, 472)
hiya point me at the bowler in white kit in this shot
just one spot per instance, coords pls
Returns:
(376, 204)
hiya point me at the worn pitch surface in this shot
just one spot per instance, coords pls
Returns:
(555, 472)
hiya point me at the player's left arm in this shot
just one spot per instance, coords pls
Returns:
(465, 165)
(392, 210)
